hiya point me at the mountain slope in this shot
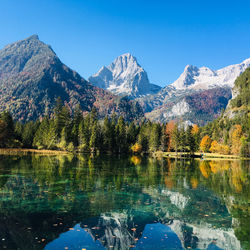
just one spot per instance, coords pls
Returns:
(198, 95)
(124, 77)
(32, 77)
(232, 128)
(240, 103)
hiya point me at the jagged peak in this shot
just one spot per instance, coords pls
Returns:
(246, 60)
(33, 37)
(190, 67)
(127, 55)
(126, 59)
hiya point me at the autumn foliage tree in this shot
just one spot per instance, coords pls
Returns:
(169, 134)
(205, 143)
(219, 148)
(214, 148)
(136, 148)
(236, 139)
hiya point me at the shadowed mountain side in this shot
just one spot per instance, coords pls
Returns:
(32, 77)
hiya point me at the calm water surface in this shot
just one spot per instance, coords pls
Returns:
(66, 202)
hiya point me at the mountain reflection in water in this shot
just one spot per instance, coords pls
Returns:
(67, 202)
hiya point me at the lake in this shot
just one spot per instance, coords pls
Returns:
(67, 202)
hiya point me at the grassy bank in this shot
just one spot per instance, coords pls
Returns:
(199, 155)
(15, 151)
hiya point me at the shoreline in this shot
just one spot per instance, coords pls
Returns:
(202, 156)
(181, 155)
(14, 151)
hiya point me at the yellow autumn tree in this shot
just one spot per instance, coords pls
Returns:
(205, 143)
(136, 148)
(215, 147)
(225, 149)
(236, 139)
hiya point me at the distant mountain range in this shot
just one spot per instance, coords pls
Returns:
(205, 78)
(32, 77)
(197, 96)
(124, 77)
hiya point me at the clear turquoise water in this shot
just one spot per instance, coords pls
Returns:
(66, 202)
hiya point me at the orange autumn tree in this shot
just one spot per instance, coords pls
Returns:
(195, 129)
(205, 143)
(169, 133)
(236, 139)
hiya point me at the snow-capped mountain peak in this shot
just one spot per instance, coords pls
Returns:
(124, 66)
(124, 76)
(205, 78)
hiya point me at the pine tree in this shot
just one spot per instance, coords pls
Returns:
(95, 138)
(51, 138)
(154, 139)
(175, 138)
(190, 140)
(41, 133)
(3, 133)
(77, 119)
(7, 118)
(182, 140)
(131, 134)
(28, 133)
(121, 137)
(107, 135)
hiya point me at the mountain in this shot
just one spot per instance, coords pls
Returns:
(197, 96)
(233, 125)
(205, 78)
(32, 77)
(124, 77)
(239, 106)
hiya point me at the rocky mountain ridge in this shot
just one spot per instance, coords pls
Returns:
(32, 77)
(197, 96)
(124, 76)
(206, 78)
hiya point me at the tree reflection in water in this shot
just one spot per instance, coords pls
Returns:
(53, 201)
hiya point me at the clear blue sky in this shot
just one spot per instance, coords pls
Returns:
(163, 35)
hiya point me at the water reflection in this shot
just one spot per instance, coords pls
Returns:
(61, 202)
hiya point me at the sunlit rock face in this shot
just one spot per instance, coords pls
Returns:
(124, 77)
(179, 109)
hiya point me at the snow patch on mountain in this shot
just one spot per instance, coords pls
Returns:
(124, 77)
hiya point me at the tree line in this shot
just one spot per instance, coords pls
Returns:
(113, 135)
